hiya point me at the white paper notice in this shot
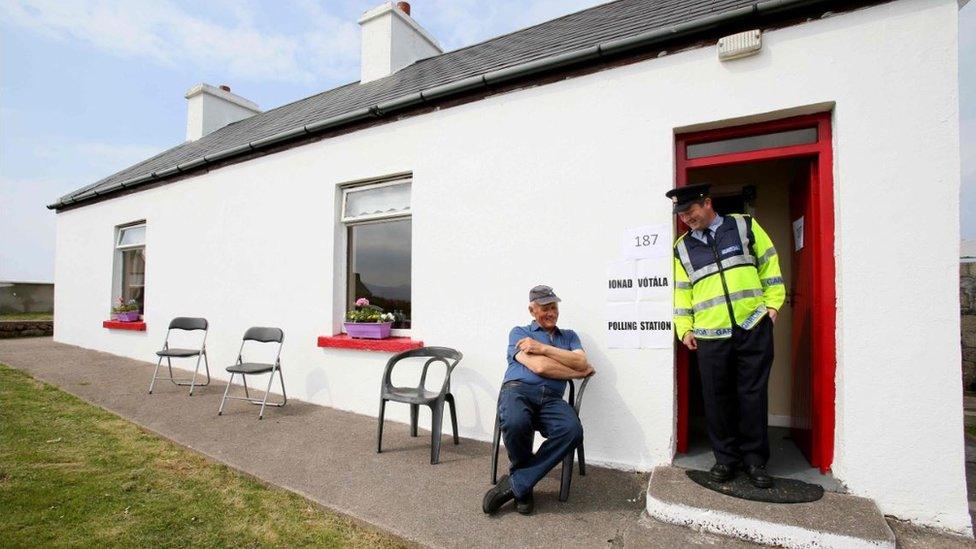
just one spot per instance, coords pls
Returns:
(621, 285)
(654, 324)
(647, 241)
(798, 234)
(622, 332)
(654, 279)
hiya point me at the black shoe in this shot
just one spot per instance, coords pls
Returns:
(525, 505)
(722, 472)
(497, 496)
(759, 477)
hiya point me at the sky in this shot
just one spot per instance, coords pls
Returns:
(90, 87)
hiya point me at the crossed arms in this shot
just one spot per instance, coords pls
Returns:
(552, 362)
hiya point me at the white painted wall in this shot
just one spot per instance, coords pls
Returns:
(209, 108)
(535, 186)
(391, 40)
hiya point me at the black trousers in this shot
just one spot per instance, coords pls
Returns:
(735, 378)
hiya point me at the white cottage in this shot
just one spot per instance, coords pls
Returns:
(444, 185)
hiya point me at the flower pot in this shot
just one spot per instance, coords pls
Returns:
(127, 316)
(368, 330)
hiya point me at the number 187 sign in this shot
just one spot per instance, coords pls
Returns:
(647, 241)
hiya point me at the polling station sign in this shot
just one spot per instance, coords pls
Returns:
(639, 290)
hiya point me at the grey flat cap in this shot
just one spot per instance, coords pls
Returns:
(543, 295)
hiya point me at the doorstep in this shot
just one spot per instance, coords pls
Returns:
(837, 520)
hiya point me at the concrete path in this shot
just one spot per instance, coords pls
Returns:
(329, 456)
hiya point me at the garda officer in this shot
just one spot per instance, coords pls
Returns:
(728, 289)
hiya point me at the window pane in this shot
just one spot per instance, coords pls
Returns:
(803, 136)
(391, 199)
(133, 236)
(379, 267)
(134, 276)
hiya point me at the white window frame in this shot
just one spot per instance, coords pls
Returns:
(350, 189)
(345, 222)
(117, 263)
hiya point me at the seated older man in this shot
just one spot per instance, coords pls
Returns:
(541, 357)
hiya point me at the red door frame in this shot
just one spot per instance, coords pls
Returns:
(823, 344)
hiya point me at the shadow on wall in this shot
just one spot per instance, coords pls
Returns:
(26, 297)
(605, 416)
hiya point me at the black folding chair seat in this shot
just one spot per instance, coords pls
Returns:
(420, 396)
(178, 353)
(250, 368)
(185, 324)
(575, 399)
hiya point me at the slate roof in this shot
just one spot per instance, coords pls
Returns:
(573, 32)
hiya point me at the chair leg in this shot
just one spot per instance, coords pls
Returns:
(437, 418)
(220, 410)
(244, 379)
(379, 428)
(155, 373)
(206, 365)
(169, 364)
(193, 380)
(496, 441)
(582, 460)
(414, 412)
(264, 401)
(284, 397)
(450, 401)
(567, 476)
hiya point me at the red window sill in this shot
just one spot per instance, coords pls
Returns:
(389, 345)
(133, 326)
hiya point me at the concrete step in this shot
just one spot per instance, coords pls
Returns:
(837, 520)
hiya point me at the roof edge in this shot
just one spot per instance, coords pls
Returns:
(445, 91)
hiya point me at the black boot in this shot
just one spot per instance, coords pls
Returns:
(759, 477)
(497, 496)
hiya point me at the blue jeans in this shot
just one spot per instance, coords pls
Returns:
(523, 409)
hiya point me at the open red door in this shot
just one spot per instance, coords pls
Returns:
(812, 286)
(800, 290)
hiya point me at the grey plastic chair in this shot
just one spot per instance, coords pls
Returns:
(188, 325)
(575, 399)
(417, 396)
(262, 335)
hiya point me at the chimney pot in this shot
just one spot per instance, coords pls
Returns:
(404, 7)
(225, 87)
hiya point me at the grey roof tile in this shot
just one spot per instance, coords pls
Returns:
(573, 32)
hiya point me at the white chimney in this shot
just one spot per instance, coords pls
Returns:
(391, 40)
(209, 108)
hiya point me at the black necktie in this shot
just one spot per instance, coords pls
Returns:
(708, 237)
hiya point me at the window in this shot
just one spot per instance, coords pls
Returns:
(803, 136)
(378, 230)
(130, 265)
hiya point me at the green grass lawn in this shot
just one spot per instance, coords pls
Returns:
(27, 316)
(73, 474)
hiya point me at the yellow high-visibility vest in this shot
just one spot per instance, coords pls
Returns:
(736, 280)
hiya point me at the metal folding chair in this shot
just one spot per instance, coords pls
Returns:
(575, 400)
(169, 353)
(261, 335)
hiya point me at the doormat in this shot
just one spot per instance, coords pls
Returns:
(784, 490)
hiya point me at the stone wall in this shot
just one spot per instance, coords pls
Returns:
(26, 328)
(967, 305)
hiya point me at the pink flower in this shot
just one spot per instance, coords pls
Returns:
(362, 302)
